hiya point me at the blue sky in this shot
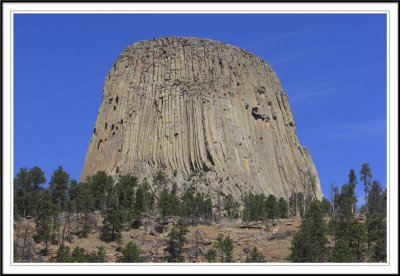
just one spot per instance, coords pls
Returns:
(332, 66)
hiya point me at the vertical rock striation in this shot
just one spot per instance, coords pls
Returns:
(208, 113)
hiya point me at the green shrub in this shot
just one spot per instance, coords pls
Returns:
(175, 243)
(224, 248)
(130, 254)
(211, 255)
(78, 255)
(255, 257)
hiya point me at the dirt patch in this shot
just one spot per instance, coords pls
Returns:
(272, 239)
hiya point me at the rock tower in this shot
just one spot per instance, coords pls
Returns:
(208, 114)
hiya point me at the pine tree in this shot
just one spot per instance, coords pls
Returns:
(326, 206)
(164, 204)
(349, 234)
(37, 177)
(335, 199)
(175, 243)
(282, 208)
(347, 200)
(376, 222)
(255, 257)
(63, 255)
(352, 185)
(224, 248)
(352, 177)
(44, 212)
(126, 185)
(254, 207)
(130, 254)
(101, 185)
(78, 255)
(112, 222)
(99, 256)
(187, 207)
(22, 193)
(211, 255)
(350, 239)
(126, 195)
(58, 187)
(292, 205)
(203, 207)
(194, 207)
(309, 243)
(366, 177)
(72, 193)
(72, 199)
(300, 204)
(168, 204)
(144, 200)
(160, 180)
(27, 185)
(231, 206)
(271, 207)
(85, 206)
(207, 209)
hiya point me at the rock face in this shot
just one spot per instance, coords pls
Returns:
(209, 114)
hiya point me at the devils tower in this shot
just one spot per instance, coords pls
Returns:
(210, 115)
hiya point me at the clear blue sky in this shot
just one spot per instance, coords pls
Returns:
(333, 68)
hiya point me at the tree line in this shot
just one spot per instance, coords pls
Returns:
(330, 231)
(66, 208)
(338, 234)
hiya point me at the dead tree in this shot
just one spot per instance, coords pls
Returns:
(196, 245)
(156, 248)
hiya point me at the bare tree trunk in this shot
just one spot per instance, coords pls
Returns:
(23, 246)
(116, 194)
(77, 222)
(69, 227)
(17, 237)
(18, 228)
(85, 226)
(64, 226)
(332, 199)
(157, 246)
(58, 230)
(304, 201)
(219, 203)
(197, 245)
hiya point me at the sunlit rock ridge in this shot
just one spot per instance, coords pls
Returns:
(211, 115)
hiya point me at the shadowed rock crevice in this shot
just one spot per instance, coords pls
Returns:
(257, 116)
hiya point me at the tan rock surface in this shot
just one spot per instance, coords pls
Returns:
(210, 114)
